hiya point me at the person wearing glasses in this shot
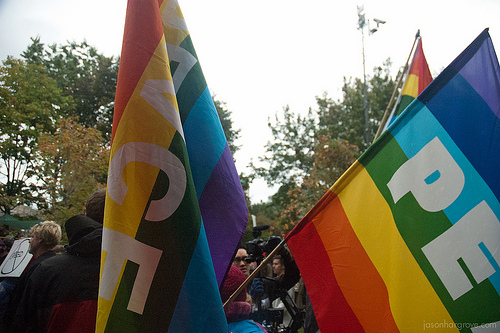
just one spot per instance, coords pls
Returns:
(242, 261)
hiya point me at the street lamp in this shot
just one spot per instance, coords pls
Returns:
(362, 23)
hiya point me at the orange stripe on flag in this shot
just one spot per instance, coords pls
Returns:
(140, 51)
(330, 307)
(365, 292)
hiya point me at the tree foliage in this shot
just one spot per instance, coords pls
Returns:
(30, 103)
(344, 119)
(83, 73)
(332, 157)
(309, 153)
(58, 164)
(289, 156)
(73, 163)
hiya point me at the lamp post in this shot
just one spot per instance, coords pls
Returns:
(362, 23)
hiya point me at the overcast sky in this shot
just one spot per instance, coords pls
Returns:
(259, 56)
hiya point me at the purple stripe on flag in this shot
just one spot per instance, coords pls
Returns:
(224, 210)
(483, 74)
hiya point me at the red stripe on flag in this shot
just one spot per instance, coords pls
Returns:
(346, 290)
(420, 68)
(325, 200)
(333, 313)
(140, 39)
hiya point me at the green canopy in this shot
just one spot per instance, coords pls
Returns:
(6, 219)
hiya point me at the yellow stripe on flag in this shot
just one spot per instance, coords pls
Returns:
(141, 122)
(105, 305)
(411, 86)
(174, 25)
(412, 298)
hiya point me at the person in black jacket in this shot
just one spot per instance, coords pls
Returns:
(273, 292)
(61, 293)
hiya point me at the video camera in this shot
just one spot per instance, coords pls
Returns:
(258, 248)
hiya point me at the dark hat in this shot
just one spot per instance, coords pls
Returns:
(79, 226)
(94, 207)
(233, 280)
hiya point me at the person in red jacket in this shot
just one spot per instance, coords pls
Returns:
(238, 310)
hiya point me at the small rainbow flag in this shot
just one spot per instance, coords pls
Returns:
(175, 209)
(409, 238)
(417, 79)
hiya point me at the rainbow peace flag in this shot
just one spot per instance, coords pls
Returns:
(218, 187)
(417, 79)
(409, 238)
(175, 208)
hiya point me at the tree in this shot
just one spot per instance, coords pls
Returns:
(83, 73)
(73, 163)
(289, 156)
(344, 119)
(30, 102)
(274, 208)
(332, 157)
(309, 153)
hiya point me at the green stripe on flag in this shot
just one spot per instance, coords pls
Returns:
(192, 86)
(418, 227)
(177, 239)
(403, 104)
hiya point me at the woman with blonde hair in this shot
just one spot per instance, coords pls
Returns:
(45, 236)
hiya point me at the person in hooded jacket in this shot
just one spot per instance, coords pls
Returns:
(238, 310)
(61, 293)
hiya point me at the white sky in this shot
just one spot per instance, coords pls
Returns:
(259, 56)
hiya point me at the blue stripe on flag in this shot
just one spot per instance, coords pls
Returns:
(495, 278)
(205, 139)
(420, 130)
(477, 138)
(194, 295)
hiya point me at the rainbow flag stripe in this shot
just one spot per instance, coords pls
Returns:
(409, 238)
(175, 209)
(417, 79)
(218, 187)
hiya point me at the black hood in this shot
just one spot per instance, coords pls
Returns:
(84, 236)
(78, 226)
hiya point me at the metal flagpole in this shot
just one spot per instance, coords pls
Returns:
(385, 117)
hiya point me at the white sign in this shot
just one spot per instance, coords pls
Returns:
(17, 259)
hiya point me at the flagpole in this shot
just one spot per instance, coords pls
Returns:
(313, 211)
(398, 85)
(255, 272)
(282, 243)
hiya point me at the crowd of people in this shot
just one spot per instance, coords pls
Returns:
(58, 290)
(276, 297)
